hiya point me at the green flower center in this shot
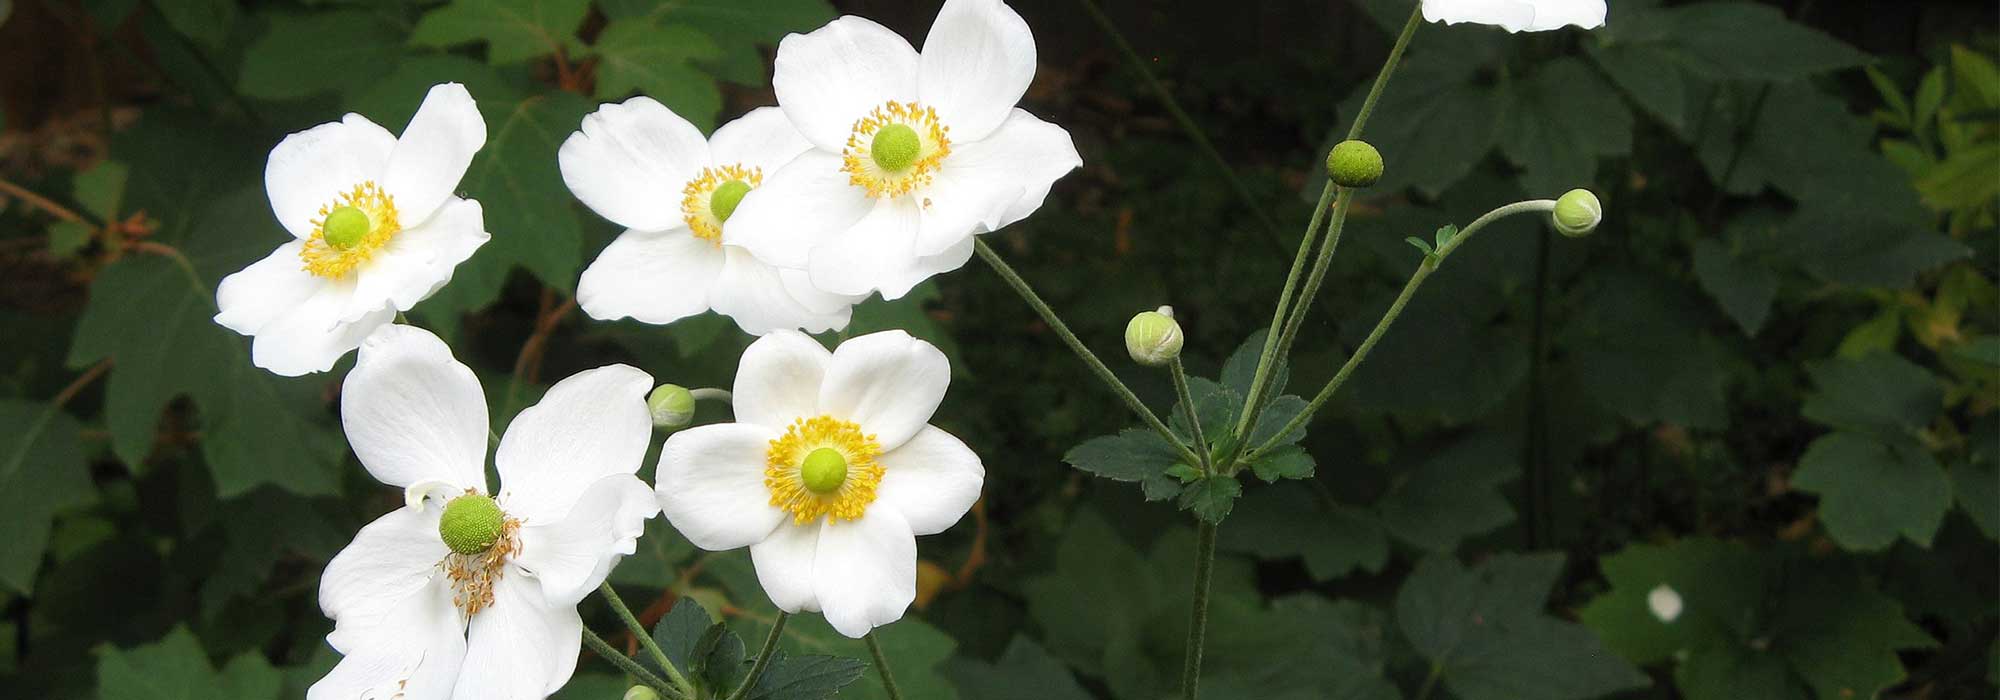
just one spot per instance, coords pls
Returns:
(345, 227)
(896, 146)
(824, 470)
(472, 523)
(727, 196)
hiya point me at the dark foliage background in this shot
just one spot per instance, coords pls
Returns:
(1768, 382)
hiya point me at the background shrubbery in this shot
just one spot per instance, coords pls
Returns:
(1768, 382)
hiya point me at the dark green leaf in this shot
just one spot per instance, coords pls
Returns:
(41, 472)
(658, 61)
(302, 55)
(1744, 288)
(1024, 672)
(1131, 455)
(1286, 521)
(1289, 463)
(1452, 495)
(1880, 394)
(513, 30)
(1211, 498)
(1558, 122)
(176, 668)
(680, 630)
(805, 677)
(1871, 492)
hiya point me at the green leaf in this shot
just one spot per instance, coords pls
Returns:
(1742, 40)
(1420, 244)
(1484, 631)
(679, 631)
(1963, 180)
(177, 668)
(1641, 346)
(43, 472)
(717, 660)
(1211, 498)
(1025, 671)
(737, 27)
(513, 30)
(1977, 79)
(302, 55)
(1871, 492)
(1240, 370)
(1097, 592)
(67, 238)
(1435, 122)
(917, 650)
(205, 21)
(659, 62)
(805, 677)
(1721, 587)
(1289, 463)
(1743, 287)
(1880, 394)
(1131, 455)
(1444, 235)
(1452, 495)
(1283, 522)
(1558, 122)
(1185, 473)
(1214, 404)
(102, 188)
(529, 210)
(1976, 481)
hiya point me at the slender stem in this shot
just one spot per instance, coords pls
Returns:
(1430, 682)
(1193, 416)
(763, 658)
(1254, 409)
(645, 639)
(1187, 124)
(882, 667)
(82, 381)
(626, 664)
(1267, 359)
(43, 203)
(711, 394)
(1204, 569)
(1027, 293)
(1388, 68)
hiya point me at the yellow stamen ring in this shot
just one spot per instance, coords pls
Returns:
(798, 470)
(350, 230)
(712, 196)
(895, 149)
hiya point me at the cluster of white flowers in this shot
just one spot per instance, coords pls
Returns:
(873, 173)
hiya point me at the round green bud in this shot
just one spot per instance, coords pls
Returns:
(672, 406)
(896, 146)
(1577, 213)
(824, 470)
(1153, 338)
(640, 692)
(345, 227)
(1354, 164)
(727, 195)
(471, 523)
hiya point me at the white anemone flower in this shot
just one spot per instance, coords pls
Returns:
(828, 475)
(913, 154)
(671, 261)
(468, 593)
(376, 229)
(1518, 15)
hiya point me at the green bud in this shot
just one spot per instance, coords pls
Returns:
(1153, 338)
(824, 470)
(727, 195)
(345, 227)
(471, 524)
(1577, 213)
(672, 406)
(1354, 164)
(895, 147)
(640, 692)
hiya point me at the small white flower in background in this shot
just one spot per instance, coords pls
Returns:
(377, 230)
(1518, 15)
(829, 474)
(1665, 603)
(464, 592)
(913, 154)
(647, 169)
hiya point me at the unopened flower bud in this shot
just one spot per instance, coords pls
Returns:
(640, 692)
(1153, 338)
(672, 406)
(1577, 213)
(1354, 164)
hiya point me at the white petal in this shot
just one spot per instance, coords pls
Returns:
(778, 378)
(309, 169)
(256, 296)
(932, 480)
(877, 250)
(987, 184)
(589, 426)
(763, 138)
(865, 571)
(521, 648)
(888, 382)
(389, 560)
(784, 563)
(419, 261)
(977, 62)
(805, 202)
(314, 333)
(652, 276)
(1556, 14)
(434, 152)
(927, 266)
(799, 283)
(711, 485)
(413, 413)
(416, 653)
(755, 296)
(572, 556)
(1512, 15)
(835, 75)
(630, 161)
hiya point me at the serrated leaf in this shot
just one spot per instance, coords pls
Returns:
(1025, 671)
(1452, 495)
(1880, 394)
(917, 649)
(1214, 404)
(1739, 40)
(42, 471)
(1240, 370)
(513, 30)
(177, 668)
(529, 210)
(814, 677)
(658, 61)
(1289, 463)
(1744, 288)
(1419, 244)
(1286, 521)
(680, 631)
(1872, 492)
(1131, 455)
(1558, 122)
(302, 55)
(205, 21)
(101, 189)
(737, 27)
(66, 238)
(1184, 473)
(1211, 498)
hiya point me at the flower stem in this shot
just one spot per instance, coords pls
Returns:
(763, 658)
(1193, 417)
(645, 639)
(1027, 293)
(882, 667)
(1307, 294)
(1204, 569)
(1388, 68)
(712, 394)
(1267, 359)
(626, 664)
(1278, 342)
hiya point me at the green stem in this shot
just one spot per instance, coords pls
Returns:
(645, 639)
(1282, 347)
(1388, 68)
(763, 658)
(626, 664)
(1267, 359)
(1027, 293)
(882, 667)
(1430, 682)
(1204, 569)
(1193, 416)
(1187, 124)
(1424, 270)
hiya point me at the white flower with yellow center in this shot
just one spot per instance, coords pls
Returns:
(377, 230)
(647, 169)
(1518, 15)
(468, 593)
(913, 154)
(828, 475)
